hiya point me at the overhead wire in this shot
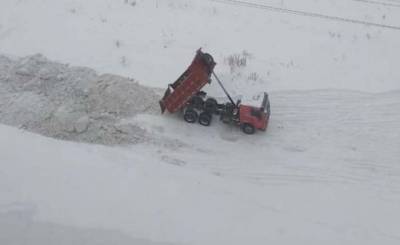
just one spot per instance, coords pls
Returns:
(379, 3)
(305, 13)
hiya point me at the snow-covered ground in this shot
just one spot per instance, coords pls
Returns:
(154, 39)
(326, 171)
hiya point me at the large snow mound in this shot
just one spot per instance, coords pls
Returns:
(71, 103)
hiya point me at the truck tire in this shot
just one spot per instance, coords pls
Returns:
(210, 105)
(248, 128)
(190, 116)
(205, 119)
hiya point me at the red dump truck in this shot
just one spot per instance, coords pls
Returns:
(186, 95)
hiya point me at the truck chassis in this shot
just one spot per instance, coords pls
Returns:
(185, 94)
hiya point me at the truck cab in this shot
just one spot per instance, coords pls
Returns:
(252, 118)
(186, 95)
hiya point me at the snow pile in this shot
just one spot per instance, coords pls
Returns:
(72, 103)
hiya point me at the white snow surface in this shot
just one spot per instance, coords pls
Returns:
(154, 40)
(325, 172)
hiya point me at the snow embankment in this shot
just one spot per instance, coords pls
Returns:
(72, 103)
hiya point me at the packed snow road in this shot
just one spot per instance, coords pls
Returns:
(338, 137)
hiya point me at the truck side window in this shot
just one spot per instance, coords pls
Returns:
(256, 112)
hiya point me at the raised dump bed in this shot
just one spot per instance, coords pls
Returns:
(196, 76)
(185, 95)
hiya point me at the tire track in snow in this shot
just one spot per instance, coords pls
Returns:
(324, 137)
(379, 3)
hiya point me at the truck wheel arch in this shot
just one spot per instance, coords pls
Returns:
(247, 128)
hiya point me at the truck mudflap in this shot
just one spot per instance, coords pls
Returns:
(162, 106)
(161, 102)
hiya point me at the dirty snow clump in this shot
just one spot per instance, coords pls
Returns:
(72, 103)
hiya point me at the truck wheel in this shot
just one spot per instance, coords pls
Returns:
(190, 116)
(210, 105)
(248, 128)
(205, 119)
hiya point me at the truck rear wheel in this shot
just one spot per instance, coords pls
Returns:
(190, 116)
(210, 105)
(248, 128)
(205, 119)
